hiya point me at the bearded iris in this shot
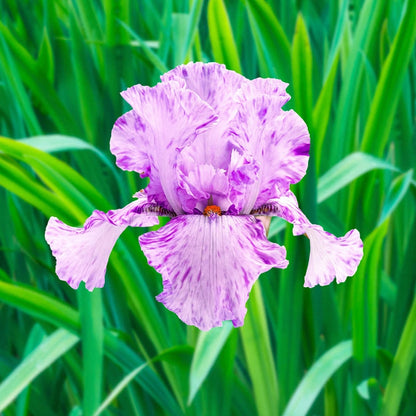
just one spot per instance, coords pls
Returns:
(219, 151)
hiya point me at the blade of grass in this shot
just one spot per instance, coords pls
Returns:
(92, 331)
(221, 36)
(259, 357)
(380, 120)
(58, 313)
(208, 347)
(316, 378)
(52, 348)
(302, 70)
(272, 45)
(402, 363)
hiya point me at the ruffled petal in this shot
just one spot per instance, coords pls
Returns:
(129, 143)
(217, 86)
(264, 86)
(277, 140)
(166, 118)
(82, 253)
(209, 265)
(330, 257)
(200, 184)
(213, 82)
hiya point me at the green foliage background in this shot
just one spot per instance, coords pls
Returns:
(339, 350)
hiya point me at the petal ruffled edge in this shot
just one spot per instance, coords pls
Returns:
(278, 142)
(165, 118)
(330, 257)
(209, 265)
(82, 253)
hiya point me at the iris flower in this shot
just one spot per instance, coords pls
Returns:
(219, 151)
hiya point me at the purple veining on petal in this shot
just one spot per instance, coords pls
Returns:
(276, 140)
(330, 257)
(215, 84)
(82, 253)
(264, 86)
(165, 119)
(209, 265)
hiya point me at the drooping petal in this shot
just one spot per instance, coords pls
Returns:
(165, 118)
(277, 140)
(82, 253)
(209, 265)
(330, 257)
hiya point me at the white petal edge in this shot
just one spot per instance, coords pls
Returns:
(82, 253)
(330, 257)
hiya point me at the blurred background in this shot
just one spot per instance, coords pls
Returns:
(344, 349)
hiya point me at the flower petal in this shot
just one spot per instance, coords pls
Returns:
(82, 253)
(209, 265)
(166, 118)
(213, 82)
(217, 86)
(277, 140)
(264, 86)
(200, 184)
(330, 257)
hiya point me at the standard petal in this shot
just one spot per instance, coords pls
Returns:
(166, 118)
(277, 140)
(129, 143)
(330, 257)
(82, 253)
(213, 82)
(264, 86)
(218, 87)
(209, 265)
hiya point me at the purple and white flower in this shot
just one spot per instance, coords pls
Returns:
(219, 151)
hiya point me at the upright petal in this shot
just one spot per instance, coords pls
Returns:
(209, 265)
(165, 118)
(277, 140)
(213, 82)
(217, 86)
(200, 184)
(330, 257)
(264, 86)
(82, 253)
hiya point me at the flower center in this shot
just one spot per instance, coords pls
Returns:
(212, 211)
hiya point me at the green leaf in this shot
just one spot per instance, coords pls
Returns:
(52, 348)
(58, 313)
(170, 354)
(221, 35)
(302, 70)
(92, 331)
(380, 119)
(322, 111)
(259, 357)
(397, 191)
(402, 362)
(207, 349)
(316, 378)
(151, 56)
(347, 170)
(272, 45)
